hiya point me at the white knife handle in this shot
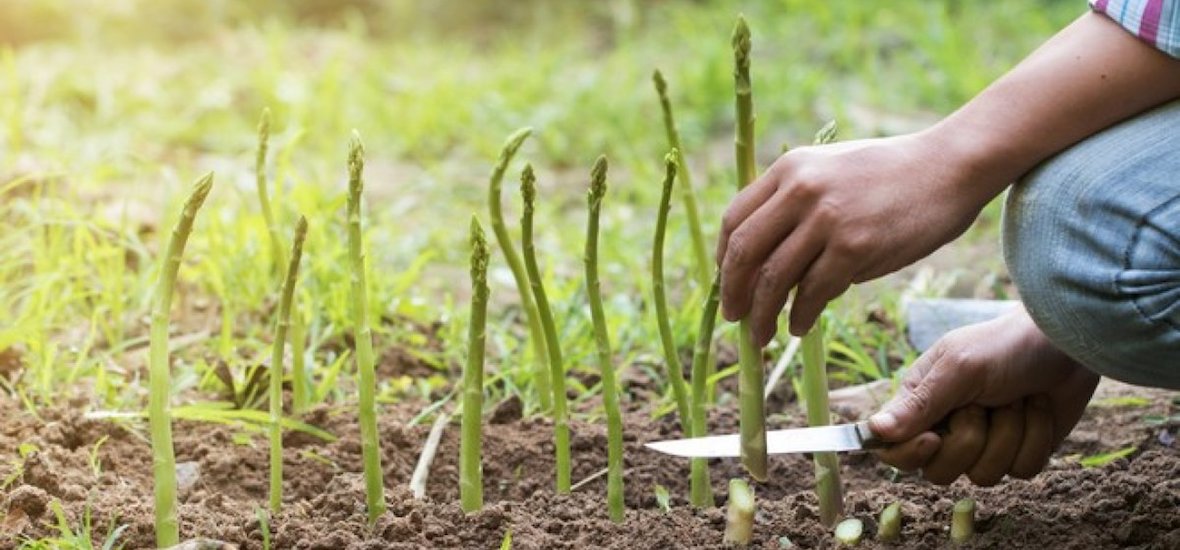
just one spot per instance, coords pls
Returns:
(868, 439)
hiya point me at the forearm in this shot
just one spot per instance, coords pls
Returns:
(1089, 76)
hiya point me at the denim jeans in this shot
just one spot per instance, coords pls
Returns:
(1092, 241)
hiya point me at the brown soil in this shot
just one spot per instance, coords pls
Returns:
(1131, 502)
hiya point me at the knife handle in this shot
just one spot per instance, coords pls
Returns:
(869, 440)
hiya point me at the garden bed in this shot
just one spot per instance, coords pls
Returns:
(1132, 501)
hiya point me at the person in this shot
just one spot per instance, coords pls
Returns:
(1088, 128)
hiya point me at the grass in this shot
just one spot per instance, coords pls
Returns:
(94, 154)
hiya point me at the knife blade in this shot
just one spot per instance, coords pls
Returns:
(841, 437)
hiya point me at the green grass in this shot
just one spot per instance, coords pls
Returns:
(106, 111)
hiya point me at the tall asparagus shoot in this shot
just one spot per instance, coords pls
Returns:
(276, 245)
(470, 469)
(671, 356)
(363, 335)
(815, 396)
(561, 429)
(700, 488)
(536, 333)
(282, 325)
(159, 410)
(753, 409)
(610, 391)
(687, 193)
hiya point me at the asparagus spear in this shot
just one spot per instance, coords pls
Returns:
(687, 193)
(610, 392)
(470, 470)
(753, 410)
(276, 245)
(561, 430)
(889, 527)
(701, 489)
(536, 333)
(282, 324)
(815, 395)
(963, 521)
(671, 357)
(159, 410)
(363, 335)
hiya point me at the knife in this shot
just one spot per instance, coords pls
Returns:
(841, 437)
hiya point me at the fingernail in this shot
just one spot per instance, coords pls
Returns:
(884, 423)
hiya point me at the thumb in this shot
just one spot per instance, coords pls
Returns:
(943, 389)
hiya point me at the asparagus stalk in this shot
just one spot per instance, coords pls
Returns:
(282, 324)
(159, 410)
(815, 395)
(276, 245)
(739, 515)
(609, 382)
(363, 335)
(889, 527)
(963, 521)
(687, 193)
(536, 334)
(849, 531)
(671, 357)
(561, 430)
(470, 470)
(610, 392)
(753, 410)
(300, 387)
(701, 488)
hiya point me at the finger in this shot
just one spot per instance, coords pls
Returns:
(776, 278)
(941, 386)
(961, 446)
(1037, 443)
(1069, 402)
(824, 280)
(745, 203)
(1004, 434)
(749, 247)
(911, 455)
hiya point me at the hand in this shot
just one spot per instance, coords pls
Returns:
(1011, 397)
(824, 217)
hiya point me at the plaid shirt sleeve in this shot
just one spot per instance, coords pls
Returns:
(1156, 22)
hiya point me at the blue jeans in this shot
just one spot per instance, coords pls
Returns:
(1092, 241)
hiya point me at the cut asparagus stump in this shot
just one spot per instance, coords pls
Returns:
(849, 531)
(889, 527)
(739, 515)
(963, 521)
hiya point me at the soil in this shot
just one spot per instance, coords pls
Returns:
(106, 467)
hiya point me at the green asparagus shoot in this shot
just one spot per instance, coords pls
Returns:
(687, 193)
(276, 244)
(815, 395)
(752, 424)
(739, 514)
(671, 356)
(889, 527)
(470, 469)
(963, 521)
(282, 325)
(363, 336)
(160, 384)
(504, 240)
(849, 531)
(700, 487)
(610, 392)
(561, 430)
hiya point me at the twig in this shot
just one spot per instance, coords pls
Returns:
(429, 449)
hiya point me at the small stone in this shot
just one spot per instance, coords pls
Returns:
(203, 544)
(187, 475)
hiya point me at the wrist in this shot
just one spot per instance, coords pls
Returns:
(980, 163)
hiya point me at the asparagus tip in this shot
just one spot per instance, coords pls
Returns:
(356, 162)
(671, 159)
(200, 190)
(528, 186)
(598, 180)
(264, 123)
(827, 134)
(661, 85)
(515, 140)
(741, 40)
(479, 252)
(301, 228)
